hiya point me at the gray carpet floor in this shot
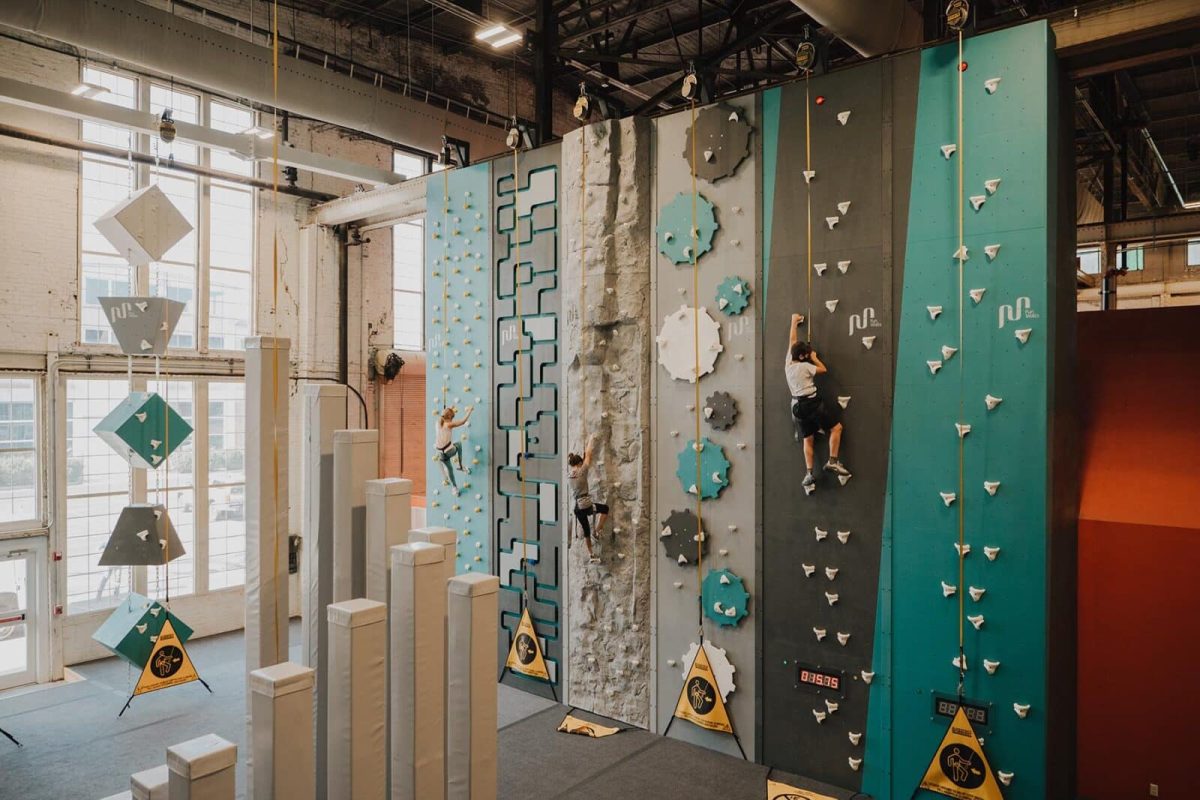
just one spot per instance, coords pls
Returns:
(76, 747)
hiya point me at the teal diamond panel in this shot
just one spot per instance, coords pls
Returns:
(144, 430)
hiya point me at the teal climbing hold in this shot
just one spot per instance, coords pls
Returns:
(714, 469)
(675, 239)
(725, 599)
(733, 295)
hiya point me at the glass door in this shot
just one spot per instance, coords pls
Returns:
(18, 593)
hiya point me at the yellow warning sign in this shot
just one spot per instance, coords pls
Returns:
(777, 790)
(582, 727)
(525, 655)
(168, 664)
(700, 701)
(959, 768)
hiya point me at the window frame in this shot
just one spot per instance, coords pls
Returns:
(419, 223)
(37, 523)
(1192, 244)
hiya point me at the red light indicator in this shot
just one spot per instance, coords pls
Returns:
(820, 100)
(962, 66)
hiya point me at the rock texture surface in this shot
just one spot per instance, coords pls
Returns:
(608, 340)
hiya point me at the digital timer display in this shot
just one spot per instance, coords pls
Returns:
(820, 678)
(944, 706)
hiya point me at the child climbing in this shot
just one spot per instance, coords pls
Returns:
(447, 449)
(585, 508)
(809, 412)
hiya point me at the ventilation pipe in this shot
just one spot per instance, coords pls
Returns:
(872, 27)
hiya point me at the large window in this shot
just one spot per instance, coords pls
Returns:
(408, 264)
(1193, 253)
(1132, 258)
(210, 269)
(18, 451)
(1089, 260)
(202, 487)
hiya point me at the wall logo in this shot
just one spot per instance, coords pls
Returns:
(1021, 308)
(864, 320)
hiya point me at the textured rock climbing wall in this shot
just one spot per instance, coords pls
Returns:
(458, 313)
(527, 373)
(608, 341)
(729, 517)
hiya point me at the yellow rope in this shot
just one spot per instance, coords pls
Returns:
(808, 201)
(696, 383)
(583, 269)
(275, 310)
(962, 662)
(524, 455)
(445, 268)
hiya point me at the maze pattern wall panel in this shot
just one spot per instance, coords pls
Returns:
(527, 375)
(458, 314)
(729, 352)
(821, 550)
(1000, 382)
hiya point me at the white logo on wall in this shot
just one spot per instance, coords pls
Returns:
(1022, 308)
(864, 320)
(508, 333)
(738, 326)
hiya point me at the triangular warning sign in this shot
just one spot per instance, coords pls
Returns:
(168, 664)
(777, 790)
(573, 724)
(959, 768)
(700, 701)
(525, 655)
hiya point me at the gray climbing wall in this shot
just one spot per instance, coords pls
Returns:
(867, 162)
(607, 350)
(528, 520)
(729, 519)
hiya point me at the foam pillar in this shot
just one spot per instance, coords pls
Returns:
(150, 784)
(389, 514)
(266, 589)
(357, 748)
(418, 649)
(472, 611)
(447, 538)
(202, 769)
(281, 732)
(355, 461)
(324, 413)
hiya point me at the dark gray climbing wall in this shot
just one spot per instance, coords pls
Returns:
(865, 161)
(528, 521)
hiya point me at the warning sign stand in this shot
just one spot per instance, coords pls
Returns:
(167, 666)
(700, 701)
(959, 768)
(525, 655)
(778, 790)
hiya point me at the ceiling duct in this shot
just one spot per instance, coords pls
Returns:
(872, 27)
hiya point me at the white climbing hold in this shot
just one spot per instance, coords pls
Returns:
(670, 662)
(977, 201)
(678, 584)
(809, 569)
(721, 303)
(831, 597)
(1005, 777)
(831, 221)
(1022, 709)
(142, 628)
(733, 116)
(991, 84)
(977, 295)
(820, 268)
(976, 621)
(854, 763)
(991, 401)
(855, 738)
(724, 579)
(949, 150)
(843, 207)
(708, 412)
(991, 487)
(1022, 334)
(668, 236)
(948, 498)
(948, 352)
(146, 345)
(831, 706)
(831, 305)
(976, 593)
(844, 479)
(843, 266)
(948, 590)
(716, 477)
(731, 612)
(809, 174)
(820, 716)
(843, 117)
(154, 443)
(963, 429)
(737, 209)
(819, 633)
(843, 638)
(990, 250)
(991, 184)
(741, 445)
(687, 251)
(963, 549)
(142, 306)
(141, 416)
(674, 433)
(959, 662)
(991, 666)
(868, 342)
(682, 559)
(154, 611)
(991, 552)
(843, 536)
(843, 400)
(867, 676)
(809, 489)
(934, 311)
(735, 243)
(831, 573)
(709, 155)
(962, 253)
(143, 535)
(822, 534)
(723, 552)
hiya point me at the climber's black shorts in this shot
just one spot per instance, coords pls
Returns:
(814, 414)
(584, 516)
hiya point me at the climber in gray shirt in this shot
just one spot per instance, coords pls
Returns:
(585, 507)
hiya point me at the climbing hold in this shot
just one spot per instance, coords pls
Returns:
(843, 638)
(809, 569)
(962, 428)
(948, 498)
(831, 305)
(831, 573)
(949, 150)
(819, 633)
(990, 250)
(831, 597)
(831, 221)
(963, 549)
(867, 676)
(843, 117)
(733, 295)
(962, 253)
(820, 716)
(1022, 334)
(674, 218)
(1022, 709)
(976, 593)
(948, 590)
(991, 552)
(843, 207)
(843, 536)
(677, 345)
(991, 184)
(991, 666)
(843, 400)
(843, 266)
(855, 738)
(844, 479)
(959, 662)
(724, 597)
(680, 535)
(1005, 777)
(831, 706)
(809, 174)
(991, 487)
(992, 401)
(713, 473)
(977, 201)
(948, 352)
(976, 620)
(854, 763)
(977, 295)
(720, 409)
(820, 268)
(934, 311)
(822, 534)
(868, 342)
(991, 84)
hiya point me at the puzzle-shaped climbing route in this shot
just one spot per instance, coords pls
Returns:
(708, 477)
(733, 295)
(143, 536)
(527, 376)
(717, 143)
(677, 348)
(143, 325)
(676, 240)
(724, 597)
(682, 539)
(143, 430)
(458, 316)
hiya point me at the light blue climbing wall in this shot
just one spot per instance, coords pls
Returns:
(458, 342)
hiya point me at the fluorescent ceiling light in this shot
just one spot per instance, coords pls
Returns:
(506, 40)
(89, 90)
(259, 131)
(488, 33)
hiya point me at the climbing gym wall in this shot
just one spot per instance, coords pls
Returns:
(970, 540)
(526, 341)
(706, 281)
(607, 350)
(841, 149)
(458, 335)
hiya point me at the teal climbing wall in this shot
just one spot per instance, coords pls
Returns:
(458, 340)
(1008, 135)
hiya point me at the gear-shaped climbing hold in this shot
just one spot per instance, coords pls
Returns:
(722, 669)
(720, 409)
(733, 295)
(677, 348)
(722, 142)
(724, 597)
(675, 238)
(714, 469)
(679, 534)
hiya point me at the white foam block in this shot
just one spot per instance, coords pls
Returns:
(202, 769)
(281, 732)
(471, 756)
(357, 748)
(355, 461)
